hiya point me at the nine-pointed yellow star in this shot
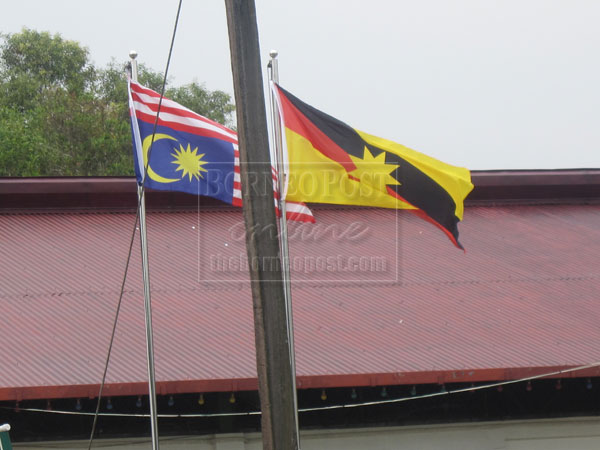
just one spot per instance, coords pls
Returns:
(373, 171)
(189, 162)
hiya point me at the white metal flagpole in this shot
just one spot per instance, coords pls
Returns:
(147, 301)
(283, 234)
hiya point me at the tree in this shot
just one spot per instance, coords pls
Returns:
(216, 105)
(34, 62)
(60, 115)
(22, 149)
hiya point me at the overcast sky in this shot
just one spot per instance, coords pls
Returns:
(484, 84)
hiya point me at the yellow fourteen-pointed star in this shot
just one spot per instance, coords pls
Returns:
(189, 162)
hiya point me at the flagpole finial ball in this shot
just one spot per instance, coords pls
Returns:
(133, 54)
(273, 53)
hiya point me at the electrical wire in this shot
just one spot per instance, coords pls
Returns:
(137, 217)
(330, 407)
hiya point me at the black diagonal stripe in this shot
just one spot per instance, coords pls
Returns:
(343, 135)
(423, 192)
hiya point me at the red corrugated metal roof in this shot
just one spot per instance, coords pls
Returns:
(522, 300)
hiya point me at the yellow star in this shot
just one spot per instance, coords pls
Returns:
(189, 162)
(373, 171)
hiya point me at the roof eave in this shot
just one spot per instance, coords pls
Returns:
(58, 194)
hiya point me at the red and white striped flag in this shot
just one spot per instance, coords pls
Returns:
(179, 125)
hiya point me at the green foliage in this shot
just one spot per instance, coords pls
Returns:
(23, 150)
(61, 116)
(34, 62)
(99, 141)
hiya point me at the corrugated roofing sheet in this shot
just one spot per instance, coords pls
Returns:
(380, 297)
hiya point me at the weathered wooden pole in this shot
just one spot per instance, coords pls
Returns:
(268, 294)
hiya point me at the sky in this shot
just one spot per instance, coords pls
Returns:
(483, 84)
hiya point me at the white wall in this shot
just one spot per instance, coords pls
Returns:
(548, 434)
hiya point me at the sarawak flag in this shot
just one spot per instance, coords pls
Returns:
(331, 162)
(190, 153)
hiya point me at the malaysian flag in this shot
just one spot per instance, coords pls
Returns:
(190, 153)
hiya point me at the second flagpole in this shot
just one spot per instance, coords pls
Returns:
(283, 232)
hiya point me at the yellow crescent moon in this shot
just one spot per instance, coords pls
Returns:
(145, 147)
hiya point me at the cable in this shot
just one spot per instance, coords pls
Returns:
(323, 408)
(137, 216)
(114, 328)
(455, 391)
(162, 93)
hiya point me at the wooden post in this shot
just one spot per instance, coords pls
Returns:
(268, 294)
